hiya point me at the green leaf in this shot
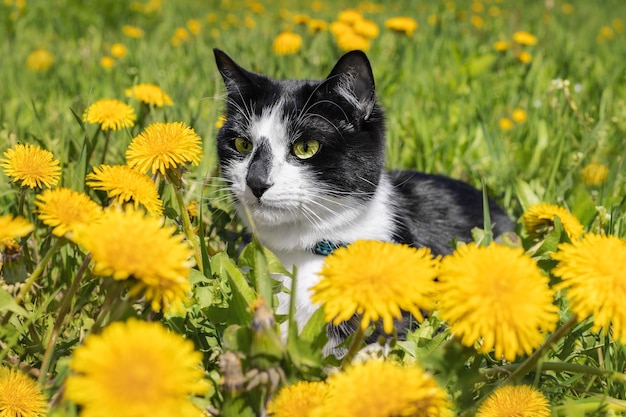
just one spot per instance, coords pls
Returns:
(7, 303)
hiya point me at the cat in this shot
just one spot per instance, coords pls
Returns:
(305, 163)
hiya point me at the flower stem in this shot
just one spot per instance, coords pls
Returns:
(63, 310)
(188, 229)
(533, 359)
(107, 137)
(355, 345)
(36, 273)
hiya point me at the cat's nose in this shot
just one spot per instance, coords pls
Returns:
(258, 186)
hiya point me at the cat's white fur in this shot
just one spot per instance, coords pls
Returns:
(291, 216)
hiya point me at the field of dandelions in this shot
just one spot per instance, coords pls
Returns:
(129, 288)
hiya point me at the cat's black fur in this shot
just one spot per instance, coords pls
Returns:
(345, 191)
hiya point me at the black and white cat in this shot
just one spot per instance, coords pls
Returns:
(305, 163)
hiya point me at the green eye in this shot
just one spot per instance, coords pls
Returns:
(305, 149)
(243, 146)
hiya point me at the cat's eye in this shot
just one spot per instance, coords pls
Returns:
(243, 146)
(305, 149)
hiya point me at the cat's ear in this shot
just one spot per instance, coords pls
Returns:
(353, 79)
(235, 77)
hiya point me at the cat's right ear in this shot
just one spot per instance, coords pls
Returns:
(235, 78)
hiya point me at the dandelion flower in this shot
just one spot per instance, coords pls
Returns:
(505, 123)
(519, 116)
(351, 40)
(383, 389)
(376, 280)
(592, 270)
(110, 114)
(497, 296)
(127, 244)
(298, 399)
(194, 26)
(40, 60)
(132, 31)
(539, 220)
(519, 401)
(107, 62)
(63, 209)
(524, 57)
(125, 185)
(524, 38)
(349, 16)
(339, 28)
(149, 94)
(118, 50)
(402, 24)
(31, 166)
(287, 43)
(366, 28)
(594, 174)
(317, 25)
(11, 227)
(136, 369)
(20, 396)
(501, 46)
(162, 146)
(220, 121)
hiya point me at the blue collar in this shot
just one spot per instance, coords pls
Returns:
(325, 247)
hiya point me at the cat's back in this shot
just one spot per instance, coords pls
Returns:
(432, 210)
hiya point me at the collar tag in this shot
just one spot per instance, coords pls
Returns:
(325, 247)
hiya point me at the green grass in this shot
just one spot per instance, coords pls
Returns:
(444, 89)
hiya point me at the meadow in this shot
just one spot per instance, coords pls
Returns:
(157, 308)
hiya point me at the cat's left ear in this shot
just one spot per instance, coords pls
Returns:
(353, 79)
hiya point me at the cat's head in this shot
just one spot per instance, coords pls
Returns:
(301, 154)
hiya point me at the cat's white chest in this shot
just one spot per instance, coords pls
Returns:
(307, 266)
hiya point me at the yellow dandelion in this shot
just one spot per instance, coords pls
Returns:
(180, 35)
(298, 399)
(220, 121)
(150, 94)
(63, 209)
(300, 19)
(125, 185)
(477, 21)
(194, 26)
(349, 16)
(592, 270)
(524, 38)
(350, 41)
(110, 114)
(383, 389)
(496, 297)
(118, 50)
(366, 28)
(618, 24)
(132, 31)
(136, 369)
(339, 28)
(518, 401)
(594, 174)
(538, 220)
(31, 166)
(107, 62)
(12, 227)
(287, 43)
(567, 8)
(376, 280)
(495, 11)
(501, 46)
(404, 24)
(505, 123)
(20, 396)
(519, 115)
(477, 7)
(317, 25)
(525, 57)
(127, 244)
(40, 60)
(163, 146)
